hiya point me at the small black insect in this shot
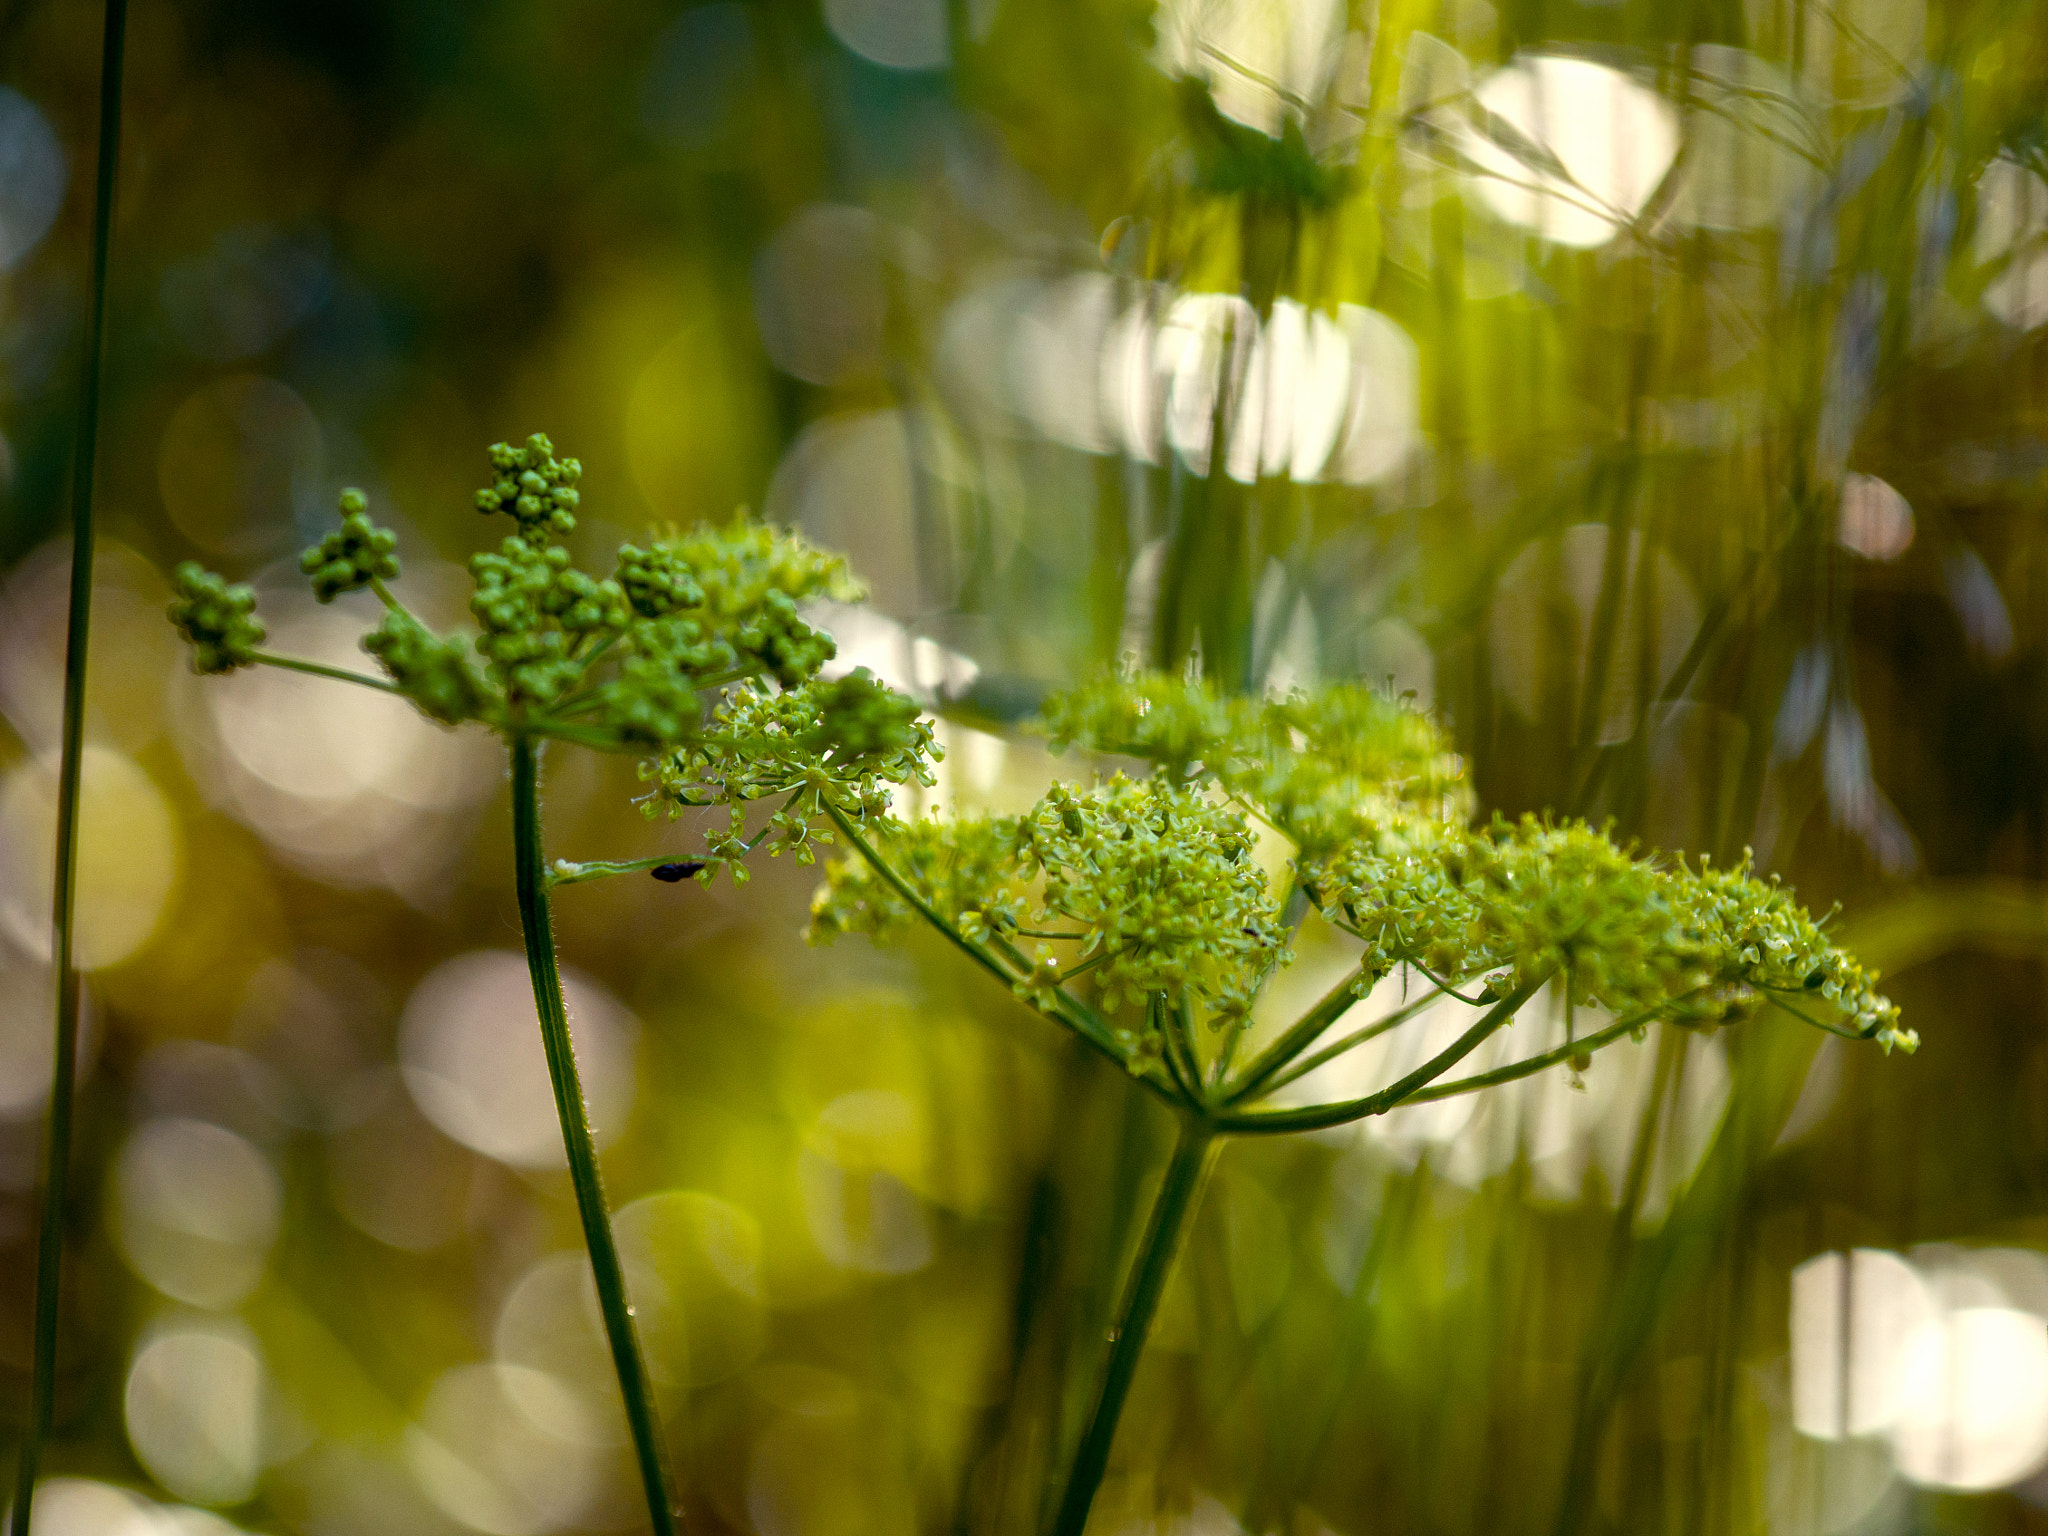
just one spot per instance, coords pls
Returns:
(674, 872)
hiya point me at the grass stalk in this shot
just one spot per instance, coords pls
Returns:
(63, 1082)
(1194, 1154)
(537, 927)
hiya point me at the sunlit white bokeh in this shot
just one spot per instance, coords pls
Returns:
(349, 783)
(1875, 521)
(507, 1450)
(83, 1506)
(1115, 367)
(1947, 1358)
(1568, 148)
(1264, 60)
(194, 1407)
(130, 850)
(1577, 1129)
(133, 650)
(2011, 242)
(470, 1050)
(195, 1209)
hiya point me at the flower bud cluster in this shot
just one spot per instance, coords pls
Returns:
(536, 612)
(434, 671)
(1312, 764)
(1162, 882)
(216, 619)
(353, 555)
(846, 739)
(537, 489)
(630, 662)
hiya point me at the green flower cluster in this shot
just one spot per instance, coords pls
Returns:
(354, 555)
(1151, 889)
(635, 661)
(216, 619)
(845, 740)
(534, 487)
(1320, 767)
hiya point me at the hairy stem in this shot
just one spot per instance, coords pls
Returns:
(538, 929)
(1193, 1155)
(63, 1083)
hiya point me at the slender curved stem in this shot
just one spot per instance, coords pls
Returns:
(627, 1359)
(1193, 1155)
(63, 1081)
(1083, 1021)
(1356, 1038)
(1298, 1037)
(321, 669)
(1320, 1116)
(1535, 1064)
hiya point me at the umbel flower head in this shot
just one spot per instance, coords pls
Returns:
(694, 645)
(1132, 909)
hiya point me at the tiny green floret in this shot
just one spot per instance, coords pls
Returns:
(352, 556)
(216, 618)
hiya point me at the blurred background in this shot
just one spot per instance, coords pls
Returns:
(1655, 388)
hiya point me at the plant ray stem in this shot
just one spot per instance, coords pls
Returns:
(321, 669)
(1194, 1153)
(1356, 1038)
(63, 1082)
(1320, 1116)
(642, 1417)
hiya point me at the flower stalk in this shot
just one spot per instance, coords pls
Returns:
(64, 898)
(1194, 1154)
(536, 926)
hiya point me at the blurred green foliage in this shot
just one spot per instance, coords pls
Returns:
(1712, 506)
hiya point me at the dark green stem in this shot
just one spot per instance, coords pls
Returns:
(63, 1082)
(538, 928)
(1193, 1155)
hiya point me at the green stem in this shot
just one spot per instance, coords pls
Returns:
(1299, 1036)
(1535, 1064)
(321, 669)
(538, 929)
(1193, 1155)
(1356, 1038)
(1321, 1116)
(1083, 1021)
(63, 1082)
